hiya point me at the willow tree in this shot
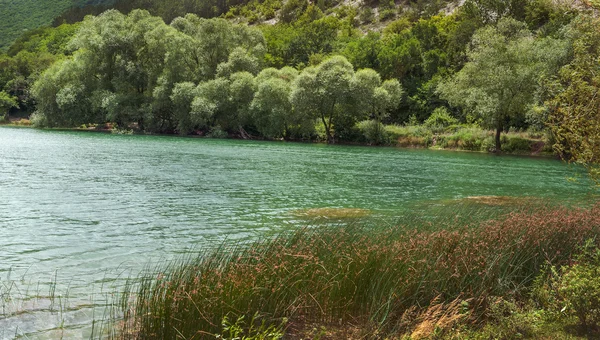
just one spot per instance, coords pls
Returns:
(325, 92)
(214, 40)
(272, 111)
(498, 84)
(375, 98)
(223, 102)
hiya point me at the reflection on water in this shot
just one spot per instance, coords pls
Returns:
(81, 212)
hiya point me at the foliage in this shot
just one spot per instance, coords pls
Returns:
(504, 69)
(516, 144)
(579, 287)
(573, 106)
(374, 132)
(239, 330)
(6, 102)
(325, 93)
(440, 119)
(272, 109)
(573, 290)
(126, 69)
(136, 71)
(20, 16)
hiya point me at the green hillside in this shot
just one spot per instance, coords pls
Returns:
(17, 16)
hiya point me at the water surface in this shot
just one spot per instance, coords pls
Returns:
(82, 209)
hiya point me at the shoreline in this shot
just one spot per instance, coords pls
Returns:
(396, 145)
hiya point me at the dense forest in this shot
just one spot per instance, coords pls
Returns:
(327, 70)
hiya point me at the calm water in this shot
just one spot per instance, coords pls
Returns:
(85, 209)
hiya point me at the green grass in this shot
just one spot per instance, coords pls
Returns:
(468, 138)
(426, 273)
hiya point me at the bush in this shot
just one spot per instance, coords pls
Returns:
(574, 290)
(251, 331)
(468, 138)
(410, 135)
(515, 144)
(374, 132)
(440, 119)
(217, 132)
(366, 16)
(386, 14)
(292, 10)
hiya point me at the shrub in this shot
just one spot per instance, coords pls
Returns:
(409, 136)
(440, 119)
(366, 15)
(469, 138)
(254, 330)
(292, 10)
(386, 14)
(374, 132)
(217, 132)
(516, 144)
(574, 290)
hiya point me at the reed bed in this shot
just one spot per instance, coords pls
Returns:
(360, 277)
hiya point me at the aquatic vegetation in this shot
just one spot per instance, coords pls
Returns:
(331, 213)
(362, 276)
(500, 200)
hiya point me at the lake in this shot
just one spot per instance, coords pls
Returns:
(80, 212)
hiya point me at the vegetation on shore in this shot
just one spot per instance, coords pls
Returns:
(451, 275)
(500, 65)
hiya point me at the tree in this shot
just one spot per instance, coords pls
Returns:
(182, 97)
(7, 102)
(272, 111)
(214, 40)
(374, 97)
(574, 108)
(499, 82)
(223, 102)
(324, 92)
(239, 60)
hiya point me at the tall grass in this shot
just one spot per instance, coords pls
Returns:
(357, 276)
(465, 137)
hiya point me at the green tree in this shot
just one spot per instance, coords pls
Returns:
(574, 107)
(223, 102)
(325, 93)
(499, 82)
(7, 102)
(272, 111)
(182, 96)
(215, 39)
(374, 97)
(239, 60)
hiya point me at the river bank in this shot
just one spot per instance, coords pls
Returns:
(456, 138)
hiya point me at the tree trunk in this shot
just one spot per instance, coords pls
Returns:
(327, 130)
(498, 143)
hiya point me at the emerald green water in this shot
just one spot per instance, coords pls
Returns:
(85, 210)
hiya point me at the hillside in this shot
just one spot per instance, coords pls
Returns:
(17, 16)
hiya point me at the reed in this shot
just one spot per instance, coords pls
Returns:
(359, 276)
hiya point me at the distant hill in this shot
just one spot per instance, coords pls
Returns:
(18, 16)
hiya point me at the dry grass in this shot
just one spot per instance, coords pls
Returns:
(439, 317)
